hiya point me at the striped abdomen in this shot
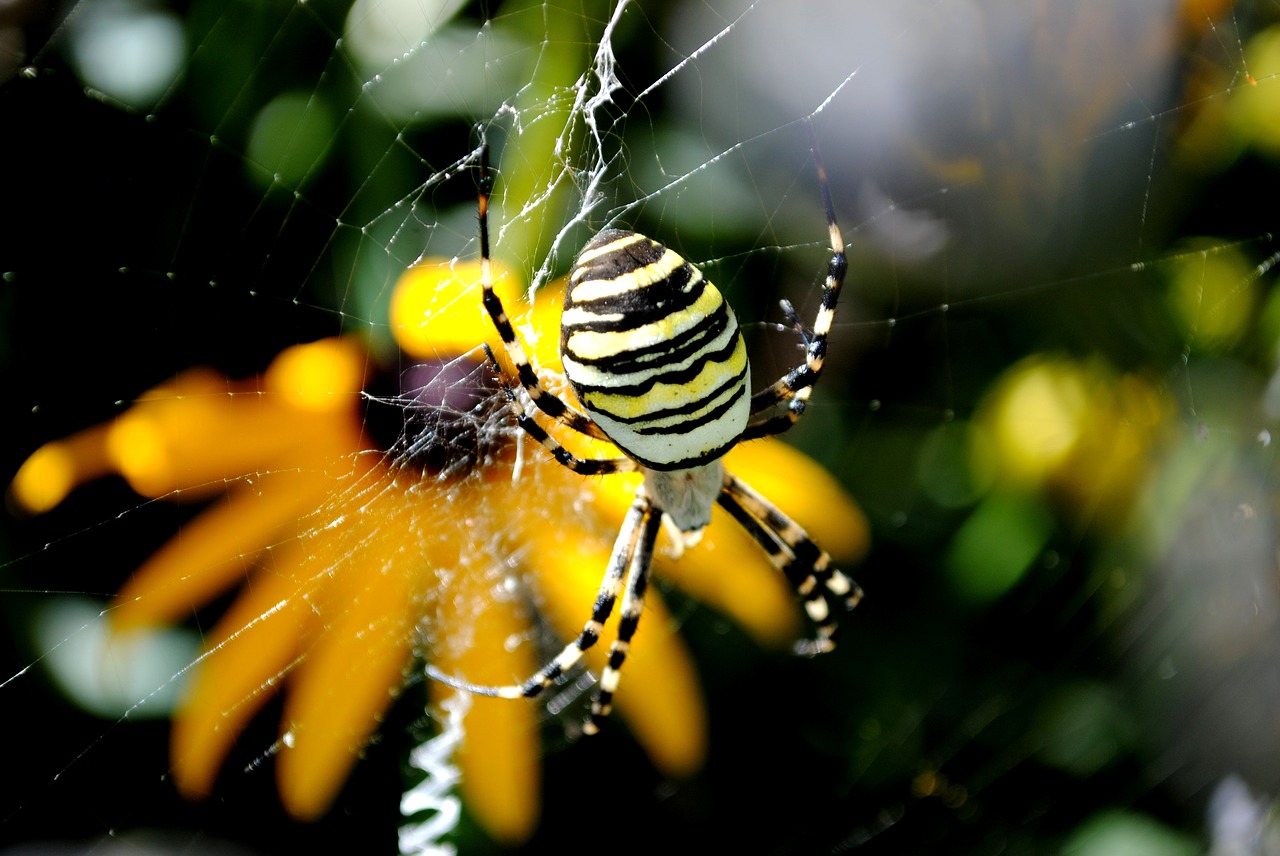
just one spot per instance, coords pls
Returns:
(654, 353)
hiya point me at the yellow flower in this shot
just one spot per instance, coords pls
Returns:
(1077, 430)
(353, 560)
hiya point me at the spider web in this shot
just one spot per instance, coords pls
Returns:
(1075, 195)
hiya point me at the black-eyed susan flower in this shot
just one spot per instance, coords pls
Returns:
(352, 559)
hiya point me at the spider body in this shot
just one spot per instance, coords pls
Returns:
(654, 353)
(660, 369)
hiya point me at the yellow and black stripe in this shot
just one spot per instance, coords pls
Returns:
(654, 353)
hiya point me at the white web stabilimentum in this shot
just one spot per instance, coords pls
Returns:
(1026, 230)
(434, 796)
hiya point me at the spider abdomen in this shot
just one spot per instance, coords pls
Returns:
(654, 352)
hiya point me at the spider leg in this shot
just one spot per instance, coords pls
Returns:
(624, 549)
(547, 402)
(632, 554)
(794, 322)
(582, 466)
(792, 551)
(796, 385)
(628, 620)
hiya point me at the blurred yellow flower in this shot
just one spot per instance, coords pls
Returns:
(351, 560)
(1212, 295)
(1077, 430)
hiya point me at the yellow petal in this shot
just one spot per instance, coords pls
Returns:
(213, 552)
(541, 326)
(192, 433)
(499, 755)
(57, 468)
(343, 685)
(324, 376)
(200, 429)
(196, 443)
(245, 661)
(660, 697)
(377, 560)
(436, 309)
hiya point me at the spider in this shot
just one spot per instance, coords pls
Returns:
(660, 369)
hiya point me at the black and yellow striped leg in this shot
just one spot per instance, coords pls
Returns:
(795, 386)
(784, 559)
(634, 528)
(629, 619)
(792, 551)
(545, 401)
(620, 560)
(581, 466)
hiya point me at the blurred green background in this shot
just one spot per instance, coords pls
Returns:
(1053, 384)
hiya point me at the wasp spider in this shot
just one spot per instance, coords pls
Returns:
(660, 368)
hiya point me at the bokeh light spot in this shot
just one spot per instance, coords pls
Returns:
(288, 139)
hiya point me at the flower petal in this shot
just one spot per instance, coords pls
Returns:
(500, 754)
(378, 557)
(197, 431)
(251, 649)
(212, 552)
(436, 309)
(59, 467)
(193, 433)
(325, 376)
(343, 685)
